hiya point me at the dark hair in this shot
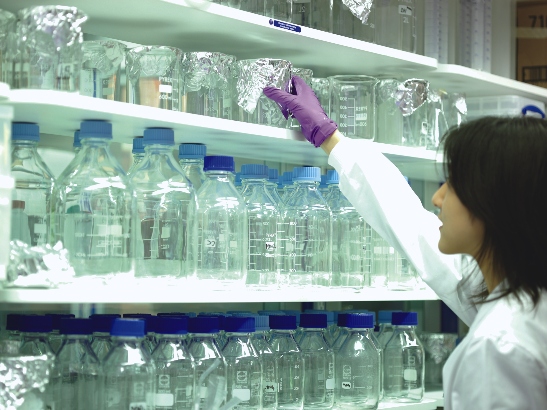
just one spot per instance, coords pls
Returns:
(498, 169)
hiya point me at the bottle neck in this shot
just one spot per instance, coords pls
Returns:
(127, 339)
(284, 332)
(219, 175)
(95, 142)
(101, 335)
(76, 337)
(22, 145)
(159, 149)
(34, 335)
(169, 337)
(192, 162)
(306, 184)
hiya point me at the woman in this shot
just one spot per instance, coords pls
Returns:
(485, 258)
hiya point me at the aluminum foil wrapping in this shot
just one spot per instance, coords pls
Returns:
(438, 346)
(152, 61)
(38, 267)
(105, 56)
(209, 70)
(254, 75)
(21, 374)
(412, 96)
(455, 108)
(60, 27)
(389, 90)
(359, 8)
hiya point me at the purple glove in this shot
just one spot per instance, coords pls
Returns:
(305, 107)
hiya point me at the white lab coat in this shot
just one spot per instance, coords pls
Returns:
(502, 362)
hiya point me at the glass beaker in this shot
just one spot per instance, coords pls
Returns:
(277, 9)
(154, 75)
(8, 47)
(413, 103)
(306, 74)
(389, 118)
(207, 84)
(352, 105)
(396, 24)
(320, 87)
(346, 24)
(101, 66)
(252, 77)
(50, 48)
(311, 13)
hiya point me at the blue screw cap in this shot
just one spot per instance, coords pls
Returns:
(138, 145)
(103, 323)
(192, 151)
(35, 324)
(332, 177)
(313, 320)
(218, 163)
(404, 319)
(254, 171)
(342, 319)
(359, 321)
(171, 325)
(13, 321)
(287, 178)
(71, 326)
(306, 174)
(76, 143)
(162, 136)
(240, 324)
(287, 322)
(25, 131)
(330, 314)
(56, 319)
(95, 129)
(273, 175)
(262, 323)
(384, 316)
(203, 324)
(128, 327)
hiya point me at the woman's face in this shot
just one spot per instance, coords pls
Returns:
(460, 231)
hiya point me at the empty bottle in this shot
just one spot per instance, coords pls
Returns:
(342, 332)
(271, 186)
(404, 363)
(174, 366)
(34, 183)
(76, 143)
(222, 226)
(323, 187)
(330, 328)
(259, 340)
(386, 328)
(358, 366)
(76, 378)
(318, 362)
(164, 194)
(129, 372)
(290, 362)
(305, 233)
(237, 181)
(351, 247)
(288, 186)
(191, 160)
(244, 368)
(55, 338)
(94, 207)
(210, 365)
(138, 153)
(101, 342)
(262, 216)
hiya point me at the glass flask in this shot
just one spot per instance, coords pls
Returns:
(222, 226)
(93, 208)
(164, 238)
(34, 184)
(191, 160)
(262, 215)
(395, 24)
(101, 66)
(138, 154)
(306, 233)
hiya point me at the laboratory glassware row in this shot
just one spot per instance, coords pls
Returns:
(389, 110)
(168, 221)
(266, 360)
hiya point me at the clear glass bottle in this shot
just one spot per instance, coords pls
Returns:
(222, 226)
(330, 328)
(19, 222)
(138, 153)
(272, 185)
(262, 217)
(358, 366)
(306, 242)
(209, 362)
(129, 372)
(167, 228)
(244, 368)
(93, 208)
(404, 363)
(76, 143)
(386, 328)
(149, 341)
(76, 377)
(101, 342)
(351, 243)
(237, 182)
(259, 340)
(290, 362)
(342, 332)
(318, 362)
(175, 383)
(55, 338)
(288, 186)
(323, 187)
(395, 24)
(34, 184)
(191, 160)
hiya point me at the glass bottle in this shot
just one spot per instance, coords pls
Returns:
(358, 366)
(101, 342)
(318, 362)
(175, 369)
(129, 372)
(404, 363)
(306, 242)
(191, 160)
(288, 186)
(290, 362)
(259, 340)
(222, 226)
(93, 208)
(138, 153)
(76, 377)
(262, 216)
(149, 341)
(351, 247)
(76, 143)
(164, 197)
(244, 368)
(55, 338)
(330, 328)
(209, 363)
(271, 187)
(34, 183)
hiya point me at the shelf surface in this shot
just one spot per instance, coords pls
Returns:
(199, 25)
(60, 113)
(194, 293)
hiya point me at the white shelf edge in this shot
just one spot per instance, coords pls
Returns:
(184, 293)
(425, 404)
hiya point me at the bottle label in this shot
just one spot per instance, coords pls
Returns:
(346, 385)
(410, 375)
(164, 400)
(329, 384)
(405, 10)
(242, 394)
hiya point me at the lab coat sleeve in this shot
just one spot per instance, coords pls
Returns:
(384, 199)
(510, 378)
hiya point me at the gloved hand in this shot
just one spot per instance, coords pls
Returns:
(305, 107)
